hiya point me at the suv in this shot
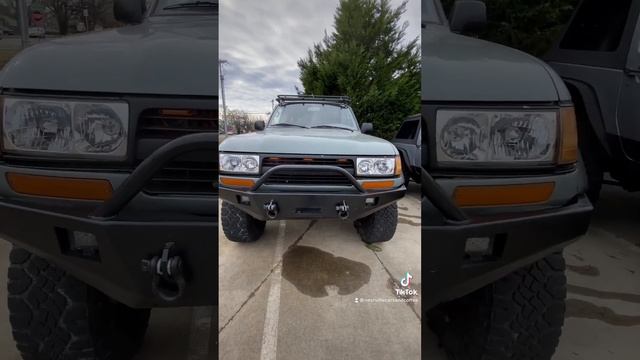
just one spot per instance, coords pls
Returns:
(598, 59)
(408, 140)
(108, 163)
(311, 161)
(503, 191)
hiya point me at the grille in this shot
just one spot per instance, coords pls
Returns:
(191, 174)
(185, 178)
(308, 177)
(344, 163)
(173, 123)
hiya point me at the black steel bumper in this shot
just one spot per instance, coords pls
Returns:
(124, 242)
(517, 240)
(308, 202)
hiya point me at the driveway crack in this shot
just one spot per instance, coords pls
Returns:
(392, 279)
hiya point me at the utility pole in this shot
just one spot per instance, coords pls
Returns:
(21, 6)
(224, 102)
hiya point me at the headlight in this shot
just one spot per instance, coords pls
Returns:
(238, 163)
(375, 166)
(493, 136)
(69, 128)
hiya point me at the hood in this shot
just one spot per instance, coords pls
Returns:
(461, 68)
(308, 142)
(165, 55)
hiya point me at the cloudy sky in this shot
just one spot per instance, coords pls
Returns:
(262, 41)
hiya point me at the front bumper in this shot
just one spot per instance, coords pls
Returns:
(517, 239)
(125, 237)
(311, 202)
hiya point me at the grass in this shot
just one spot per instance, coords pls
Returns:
(6, 55)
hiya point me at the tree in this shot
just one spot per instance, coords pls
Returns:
(62, 11)
(528, 25)
(68, 12)
(366, 58)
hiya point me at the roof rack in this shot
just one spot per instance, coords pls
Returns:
(345, 100)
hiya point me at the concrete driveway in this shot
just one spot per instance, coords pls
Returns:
(292, 294)
(603, 309)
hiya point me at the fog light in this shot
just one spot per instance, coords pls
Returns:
(81, 240)
(244, 200)
(478, 246)
(370, 201)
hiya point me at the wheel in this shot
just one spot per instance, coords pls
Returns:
(238, 226)
(379, 226)
(517, 317)
(56, 316)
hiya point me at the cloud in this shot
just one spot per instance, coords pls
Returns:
(262, 40)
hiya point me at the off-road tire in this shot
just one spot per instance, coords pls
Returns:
(56, 316)
(517, 317)
(379, 226)
(238, 226)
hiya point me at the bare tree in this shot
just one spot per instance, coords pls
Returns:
(62, 11)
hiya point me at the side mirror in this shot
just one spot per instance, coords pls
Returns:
(129, 11)
(468, 16)
(259, 125)
(366, 128)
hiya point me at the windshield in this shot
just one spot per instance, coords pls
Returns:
(314, 115)
(430, 12)
(164, 7)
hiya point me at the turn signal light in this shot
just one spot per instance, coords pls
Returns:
(377, 185)
(60, 187)
(503, 195)
(237, 182)
(398, 166)
(568, 153)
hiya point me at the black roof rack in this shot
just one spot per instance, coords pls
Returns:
(345, 100)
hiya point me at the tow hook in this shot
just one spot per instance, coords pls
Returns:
(272, 209)
(168, 278)
(343, 210)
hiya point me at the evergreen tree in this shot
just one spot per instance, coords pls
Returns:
(365, 58)
(528, 25)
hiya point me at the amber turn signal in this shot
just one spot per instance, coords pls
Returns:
(237, 182)
(377, 185)
(568, 151)
(398, 166)
(60, 187)
(503, 195)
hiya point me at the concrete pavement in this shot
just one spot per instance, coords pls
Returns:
(292, 294)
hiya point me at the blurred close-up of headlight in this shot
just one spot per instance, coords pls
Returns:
(240, 163)
(65, 128)
(492, 136)
(375, 166)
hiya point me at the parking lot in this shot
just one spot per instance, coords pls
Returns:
(292, 294)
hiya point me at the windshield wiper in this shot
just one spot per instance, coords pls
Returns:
(289, 124)
(330, 127)
(191, 5)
